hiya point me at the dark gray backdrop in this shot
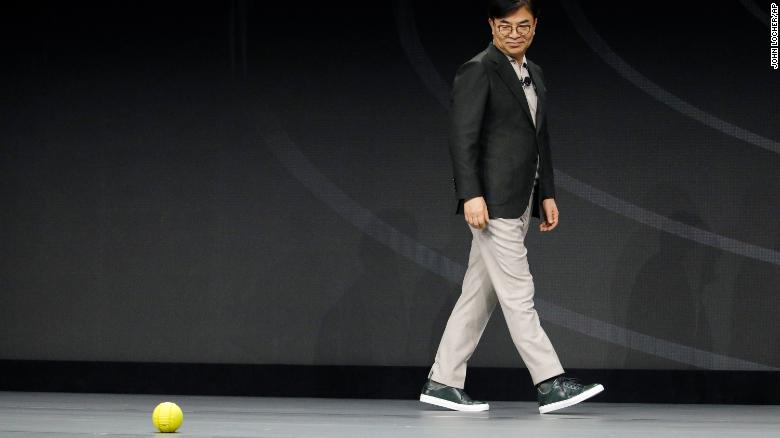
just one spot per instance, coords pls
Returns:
(236, 182)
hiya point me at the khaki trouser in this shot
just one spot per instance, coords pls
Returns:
(497, 272)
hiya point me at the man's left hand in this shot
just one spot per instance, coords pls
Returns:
(551, 213)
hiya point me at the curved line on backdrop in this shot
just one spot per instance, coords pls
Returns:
(296, 163)
(305, 172)
(425, 69)
(598, 45)
(756, 12)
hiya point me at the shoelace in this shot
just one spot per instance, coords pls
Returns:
(570, 382)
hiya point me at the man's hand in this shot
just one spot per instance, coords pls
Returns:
(551, 213)
(476, 213)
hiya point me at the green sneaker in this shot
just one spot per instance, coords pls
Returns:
(449, 397)
(565, 392)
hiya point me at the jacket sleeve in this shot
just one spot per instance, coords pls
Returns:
(546, 172)
(469, 97)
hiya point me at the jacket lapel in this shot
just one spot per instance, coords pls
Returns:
(541, 94)
(509, 77)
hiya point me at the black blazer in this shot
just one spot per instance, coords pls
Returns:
(493, 141)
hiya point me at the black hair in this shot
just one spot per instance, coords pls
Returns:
(502, 8)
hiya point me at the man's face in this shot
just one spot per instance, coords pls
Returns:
(513, 34)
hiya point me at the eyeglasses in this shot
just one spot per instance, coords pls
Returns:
(506, 29)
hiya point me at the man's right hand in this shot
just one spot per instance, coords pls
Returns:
(476, 213)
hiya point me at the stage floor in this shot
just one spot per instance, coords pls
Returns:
(45, 414)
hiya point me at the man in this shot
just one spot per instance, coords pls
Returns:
(502, 172)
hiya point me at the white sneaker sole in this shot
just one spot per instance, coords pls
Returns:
(571, 401)
(452, 405)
